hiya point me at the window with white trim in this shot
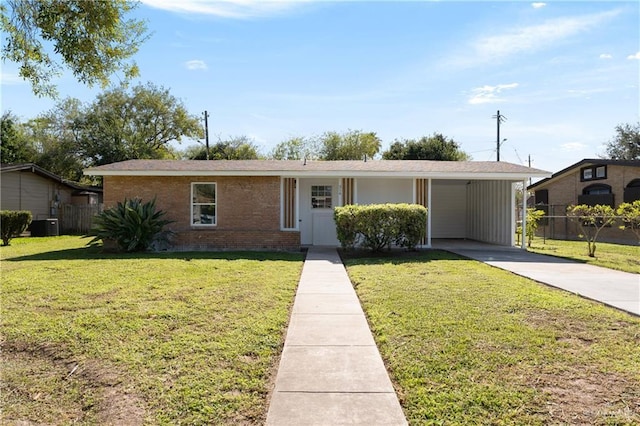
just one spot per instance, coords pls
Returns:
(203, 204)
(321, 196)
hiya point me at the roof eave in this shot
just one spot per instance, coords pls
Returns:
(320, 174)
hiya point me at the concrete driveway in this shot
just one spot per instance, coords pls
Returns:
(614, 288)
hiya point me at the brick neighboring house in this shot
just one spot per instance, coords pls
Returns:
(591, 182)
(269, 204)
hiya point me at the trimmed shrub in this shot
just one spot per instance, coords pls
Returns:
(377, 226)
(13, 223)
(132, 225)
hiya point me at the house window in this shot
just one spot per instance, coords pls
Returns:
(596, 189)
(203, 204)
(593, 173)
(632, 191)
(597, 194)
(321, 196)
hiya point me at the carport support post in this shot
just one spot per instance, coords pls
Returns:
(429, 212)
(524, 214)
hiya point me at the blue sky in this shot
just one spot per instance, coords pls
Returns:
(564, 74)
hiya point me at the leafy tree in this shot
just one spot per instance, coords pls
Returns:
(352, 145)
(121, 125)
(56, 135)
(533, 218)
(15, 145)
(626, 144)
(434, 147)
(296, 148)
(591, 220)
(93, 39)
(237, 148)
(629, 213)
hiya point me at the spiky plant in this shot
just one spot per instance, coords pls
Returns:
(132, 225)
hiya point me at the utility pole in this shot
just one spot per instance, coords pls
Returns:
(499, 119)
(529, 167)
(206, 132)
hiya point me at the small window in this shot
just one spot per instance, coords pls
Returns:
(593, 173)
(203, 204)
(321, 196)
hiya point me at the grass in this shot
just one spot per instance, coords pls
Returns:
(172, 338)
(469, 344)
(614, 256)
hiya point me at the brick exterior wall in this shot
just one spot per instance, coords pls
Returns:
(248, 210)
(564, 191)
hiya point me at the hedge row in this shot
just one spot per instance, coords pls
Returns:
(13, 223)
(376, 226)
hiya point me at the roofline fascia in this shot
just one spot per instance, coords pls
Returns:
(319, 174)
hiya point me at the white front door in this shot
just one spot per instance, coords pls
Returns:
(318, 197)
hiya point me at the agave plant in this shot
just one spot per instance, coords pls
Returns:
(132, 225)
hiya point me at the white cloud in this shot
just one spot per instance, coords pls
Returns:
(238, 9)
(572, 146)
(636, 56)
(538, 5)
(536, 37)
(606, 56)
(489, 94)
(9, 79)
(196, 64)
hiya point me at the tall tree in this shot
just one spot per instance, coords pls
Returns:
(56, 134)
(93, 39)
(121, 125)
(15, 145)
(296, 148)
(434, 147)
(626, 143)
(352, 145)
(236, 148)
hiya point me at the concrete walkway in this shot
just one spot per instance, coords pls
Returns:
(331, 372)
(614, 288)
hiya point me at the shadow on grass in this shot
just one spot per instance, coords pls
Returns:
(96, 253)
(361, 257)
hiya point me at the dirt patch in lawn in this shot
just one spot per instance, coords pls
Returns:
(44, 385)
(597, 398)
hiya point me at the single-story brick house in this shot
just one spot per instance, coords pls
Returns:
(590, 182)
(288, 204)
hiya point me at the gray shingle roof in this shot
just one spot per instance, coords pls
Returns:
(398, 168)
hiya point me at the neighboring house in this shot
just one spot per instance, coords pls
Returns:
(591, 182)
(288, 204)
(46, 195)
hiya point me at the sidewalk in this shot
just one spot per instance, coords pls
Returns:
(331, 372)
(614, 288)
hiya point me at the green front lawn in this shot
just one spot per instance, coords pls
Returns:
(172, 338)
(469, 344)
(615, 256)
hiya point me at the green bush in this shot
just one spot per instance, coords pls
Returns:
(132, 225)
(13, 223)
(377, 226)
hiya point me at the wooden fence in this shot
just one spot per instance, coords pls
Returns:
(77, 219)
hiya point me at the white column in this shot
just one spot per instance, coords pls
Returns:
(429, 212)
(524, 214)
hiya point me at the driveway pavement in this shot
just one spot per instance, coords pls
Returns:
(614, 288)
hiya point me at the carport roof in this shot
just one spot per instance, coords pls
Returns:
(308, 168)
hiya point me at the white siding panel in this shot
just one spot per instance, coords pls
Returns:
(380, 191)
(490, 213)
(449, 210)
